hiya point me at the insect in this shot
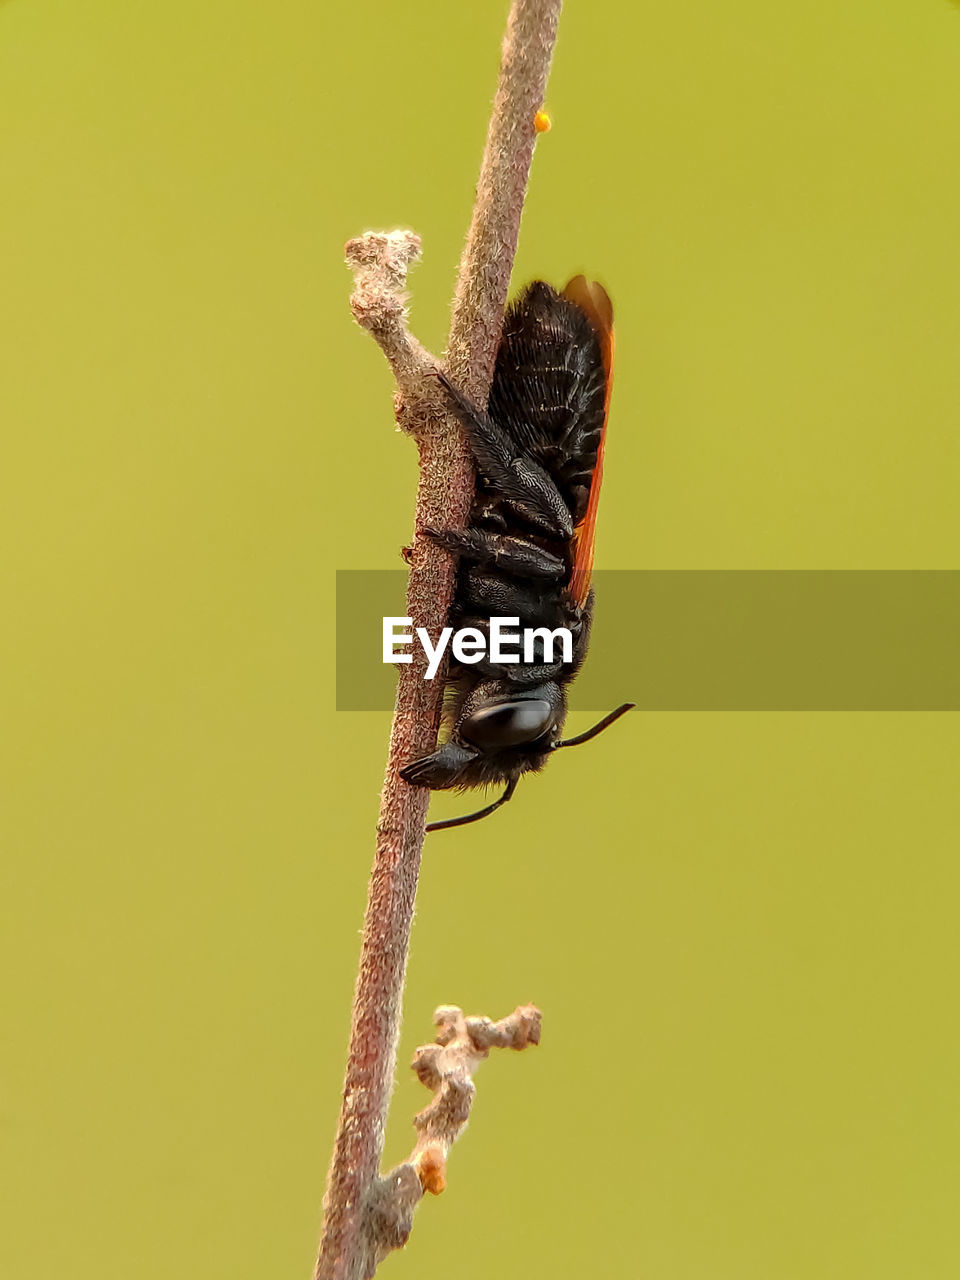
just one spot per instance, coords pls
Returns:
(527, 550)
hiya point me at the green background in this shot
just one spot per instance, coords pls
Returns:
(741, 928)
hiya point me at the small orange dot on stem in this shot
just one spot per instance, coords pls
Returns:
(542, 122)
(432, 1170)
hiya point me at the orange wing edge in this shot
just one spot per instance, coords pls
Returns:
(593, 299)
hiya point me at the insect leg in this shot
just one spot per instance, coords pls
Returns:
(536, 604)
(492, 514)
(440, 769)
(509, 555)
(507, 469)
(475, 817)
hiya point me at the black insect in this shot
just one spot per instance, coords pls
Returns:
(527, 551)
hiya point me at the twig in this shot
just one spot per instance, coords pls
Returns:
(446, 1067)
(443, 501)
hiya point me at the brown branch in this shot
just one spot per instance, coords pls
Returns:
(443, 500)
(446, 1067)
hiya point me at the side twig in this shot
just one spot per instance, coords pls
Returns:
(349, 1248)
(446, 1067)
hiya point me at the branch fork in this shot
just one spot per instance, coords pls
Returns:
(447, 1067)
(380, 261)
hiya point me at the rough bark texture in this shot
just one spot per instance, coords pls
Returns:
(354, 1205)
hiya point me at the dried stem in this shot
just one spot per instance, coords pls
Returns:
(359, 1204)
(446, 1067)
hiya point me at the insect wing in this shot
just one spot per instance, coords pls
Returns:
(593, 300)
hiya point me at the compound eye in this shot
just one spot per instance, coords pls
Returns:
(508, 724)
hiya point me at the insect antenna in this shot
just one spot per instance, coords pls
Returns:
(475, 817)
(599, 727)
